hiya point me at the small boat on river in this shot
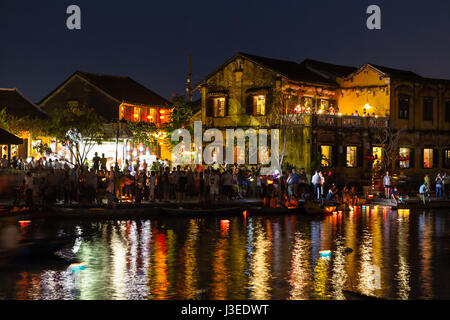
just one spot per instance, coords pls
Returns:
(203, 211)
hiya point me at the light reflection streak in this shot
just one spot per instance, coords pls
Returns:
(261, 274)
(426, 254)
(402, 276)
(189, 285)
(339, 276)
(299, 275)
(220, 281)
(365, 274)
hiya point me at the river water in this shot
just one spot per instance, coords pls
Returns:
(396, 255)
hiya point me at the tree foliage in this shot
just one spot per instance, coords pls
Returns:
(79, 129)
(18, 126)
(143, 132)
(180, 117)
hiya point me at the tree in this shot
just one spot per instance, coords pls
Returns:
(79, 129)
(281, 117)
(388, 137)
(180, 117)
(143, 132)
(18, 126)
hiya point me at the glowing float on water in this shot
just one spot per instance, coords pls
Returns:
(77, 267)
(325, 254)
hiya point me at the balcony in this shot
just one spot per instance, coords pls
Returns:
(349, 122)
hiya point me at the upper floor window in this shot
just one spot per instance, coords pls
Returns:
(427, 106)
(447, 111)
(260, 105)
(73, 104)
(403, 107)
(219, 107)
(308, 103)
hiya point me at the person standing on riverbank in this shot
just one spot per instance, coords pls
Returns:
(439, 183)
(445, 182)
(387, 181)
(316, 183)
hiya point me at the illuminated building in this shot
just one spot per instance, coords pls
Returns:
(338, 110)
(115, 98)
(19, 106)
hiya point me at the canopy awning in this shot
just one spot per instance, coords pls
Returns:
(8, 138)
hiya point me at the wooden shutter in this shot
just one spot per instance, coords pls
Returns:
(334, 156)
(412, 153)
(435, 158)
(209, 107)
(359, 155)
(227, 106)
(249, 105)
(421, 158)
(268, 103)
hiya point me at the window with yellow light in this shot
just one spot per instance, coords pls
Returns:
(260, 105)
(326, 156)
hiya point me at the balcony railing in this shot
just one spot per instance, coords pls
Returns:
(336, 121)
(349, 122)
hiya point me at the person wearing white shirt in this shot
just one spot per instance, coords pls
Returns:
(316, 182)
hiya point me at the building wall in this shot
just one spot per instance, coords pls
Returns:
(85, 94)
(351, 98)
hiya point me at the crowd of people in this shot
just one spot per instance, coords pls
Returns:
(48, 182)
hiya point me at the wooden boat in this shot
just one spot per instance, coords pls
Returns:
(202, 211)
(351, 295)
(314, 208)
(280, 210)
(38, 248)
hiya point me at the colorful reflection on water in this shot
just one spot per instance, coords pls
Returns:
(396, 255)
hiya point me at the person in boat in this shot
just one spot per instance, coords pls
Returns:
(394, 195)
(424, 193)
(332, 193)
(354, 200)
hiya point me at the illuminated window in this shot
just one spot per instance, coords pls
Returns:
(352, 157)
(428, 158)
(326, 156)
(377, 152)
(73, 104)
(403, 107)
(260, 105)
(219, 107)
(324, 105)
(307, 102)
(137, 114)
(405, 155)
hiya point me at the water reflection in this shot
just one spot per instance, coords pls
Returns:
(247, 257)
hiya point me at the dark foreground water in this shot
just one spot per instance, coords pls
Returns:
(400, 255)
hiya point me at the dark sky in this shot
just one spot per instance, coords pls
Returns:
(150, 40)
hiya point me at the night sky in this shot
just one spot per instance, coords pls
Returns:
(150, 40)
